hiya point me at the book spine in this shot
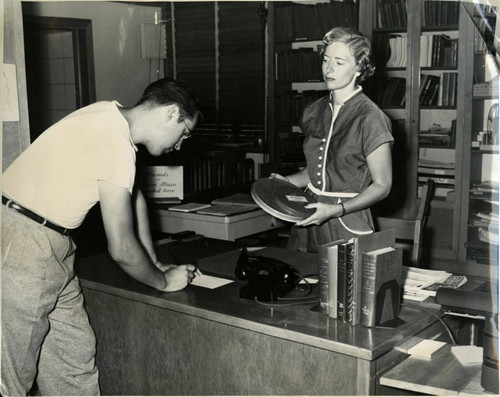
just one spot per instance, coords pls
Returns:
(357, 274)
(341, 281)
(323, 279)
(349, 284)
(368, 291)
(332, 280)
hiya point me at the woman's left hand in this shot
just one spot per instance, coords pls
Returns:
(322, 214)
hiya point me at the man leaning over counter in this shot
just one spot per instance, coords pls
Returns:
(87, 157)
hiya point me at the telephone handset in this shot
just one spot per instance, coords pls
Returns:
(268, 278)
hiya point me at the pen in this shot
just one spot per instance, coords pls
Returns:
(197, 271)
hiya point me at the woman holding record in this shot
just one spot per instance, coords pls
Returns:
(347, 147)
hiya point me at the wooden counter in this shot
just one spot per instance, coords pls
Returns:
(210, 342)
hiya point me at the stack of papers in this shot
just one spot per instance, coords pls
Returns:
(468, 354)
(426, 348)
(419, 284)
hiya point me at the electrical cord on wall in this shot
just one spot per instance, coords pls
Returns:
(435, 315)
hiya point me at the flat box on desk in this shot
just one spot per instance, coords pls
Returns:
(219, 227)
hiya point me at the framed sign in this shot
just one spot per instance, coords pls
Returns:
(162, 183)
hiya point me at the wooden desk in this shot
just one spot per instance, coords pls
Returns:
(211, 342)
(220, 227)
(442, 375)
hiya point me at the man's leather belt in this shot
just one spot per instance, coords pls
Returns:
(37, 218)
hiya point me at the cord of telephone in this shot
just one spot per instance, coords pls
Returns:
(292, 301)
(303, 300)
(435, 315)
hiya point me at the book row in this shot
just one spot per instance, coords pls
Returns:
(435, 90)
(290, 105)
(360, 279)
(440, 13)
(394, 13)
(436, 50)
(391, 14)
(302, 64)
(320, 18)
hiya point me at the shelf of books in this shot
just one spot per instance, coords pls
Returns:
(299, 27)
(438, 71)
(482, 226)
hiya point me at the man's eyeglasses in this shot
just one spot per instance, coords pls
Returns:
(190, 131)
(187, 135)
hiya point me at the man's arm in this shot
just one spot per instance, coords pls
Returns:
(125, 248)
(142, 223)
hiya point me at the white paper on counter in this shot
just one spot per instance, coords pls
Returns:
(210, 281)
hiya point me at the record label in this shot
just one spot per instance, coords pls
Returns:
(296, 198)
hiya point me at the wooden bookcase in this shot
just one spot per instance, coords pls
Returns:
(295, 34)
(431, 131)
(415, 120)
(479, 211)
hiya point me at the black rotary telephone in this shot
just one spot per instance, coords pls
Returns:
(268, 278)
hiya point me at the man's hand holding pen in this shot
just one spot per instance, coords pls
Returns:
(178, 276)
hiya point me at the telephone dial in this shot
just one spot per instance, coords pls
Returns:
(268, 278)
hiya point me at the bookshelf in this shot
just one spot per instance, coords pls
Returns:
(294, 68)
(418, 49)
(480, 151)
(426, 88)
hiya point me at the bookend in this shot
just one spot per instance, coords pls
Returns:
(268, 278)
(388, 303)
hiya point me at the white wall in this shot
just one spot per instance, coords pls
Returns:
(120, 72)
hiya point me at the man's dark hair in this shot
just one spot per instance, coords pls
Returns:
(167, 91)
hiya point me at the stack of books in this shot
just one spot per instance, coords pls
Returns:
(438, 136)
(360, 279)
(443, 174)
(486, 217)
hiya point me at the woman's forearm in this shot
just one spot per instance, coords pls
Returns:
(368, 197)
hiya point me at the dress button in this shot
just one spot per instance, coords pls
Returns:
(319, 174)
(321, 148)
(319, 182)
(320, 157)
(324, 140)
(319, 165)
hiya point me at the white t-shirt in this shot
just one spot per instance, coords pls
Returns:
(57, 175)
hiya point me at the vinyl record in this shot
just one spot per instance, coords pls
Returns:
(282, 199)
